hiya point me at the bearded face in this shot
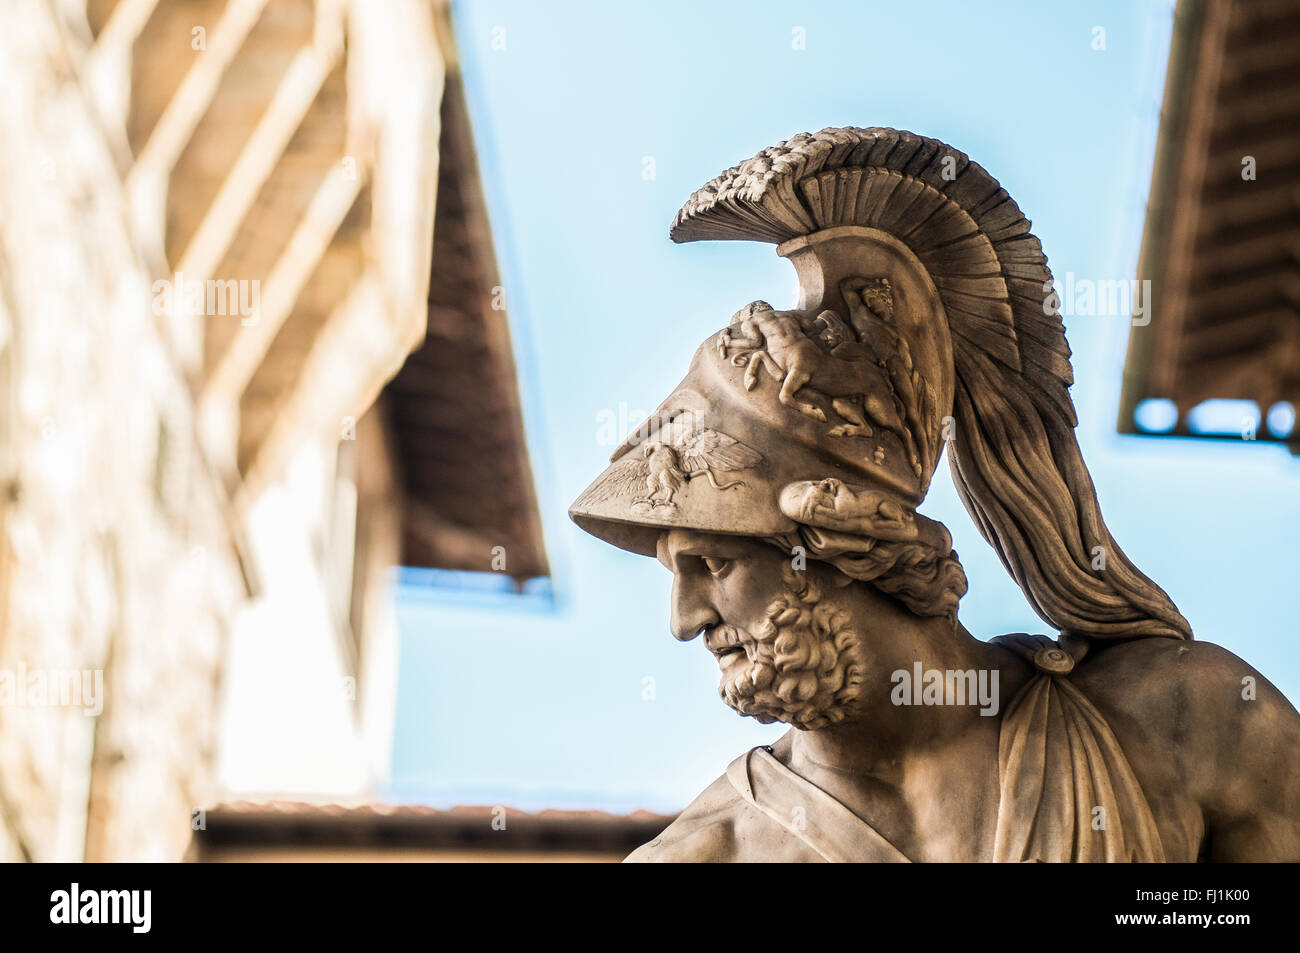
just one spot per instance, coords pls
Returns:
(785, 630)
(802, 665)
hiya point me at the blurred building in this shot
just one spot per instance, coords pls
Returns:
(253, 355)
(1220, 356)
(306, 832)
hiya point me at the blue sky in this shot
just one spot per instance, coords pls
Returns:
(523, 703)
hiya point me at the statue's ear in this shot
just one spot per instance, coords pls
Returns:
(748, 311)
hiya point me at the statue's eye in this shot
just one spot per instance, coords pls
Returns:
(716, 566)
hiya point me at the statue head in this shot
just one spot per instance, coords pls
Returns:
(796, 640)
(802, 441)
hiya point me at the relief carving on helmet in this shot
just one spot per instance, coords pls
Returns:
(862, 369)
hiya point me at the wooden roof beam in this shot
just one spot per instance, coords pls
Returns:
(122, 27)
(195, 93)
(1253, 204)
(146, 183)
(108, 68)
(235, 368)
(1174, 268)
(355, 352)
(1246, 255)
(289, 106)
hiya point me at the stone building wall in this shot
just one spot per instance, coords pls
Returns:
(115, 554)
(200, 510)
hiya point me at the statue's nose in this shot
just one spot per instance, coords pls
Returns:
(692, 612)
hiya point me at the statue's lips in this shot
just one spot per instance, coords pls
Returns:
(723, 641)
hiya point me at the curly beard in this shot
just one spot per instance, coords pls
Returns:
(803, 666)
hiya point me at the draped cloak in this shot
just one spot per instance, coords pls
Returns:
(1067, 791)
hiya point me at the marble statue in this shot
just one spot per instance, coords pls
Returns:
(780, 481)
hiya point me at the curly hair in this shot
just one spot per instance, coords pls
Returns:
(927, 580)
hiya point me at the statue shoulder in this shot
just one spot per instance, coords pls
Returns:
(720, 826)
(1197, 721)
(1163, 681)
(704, 832)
